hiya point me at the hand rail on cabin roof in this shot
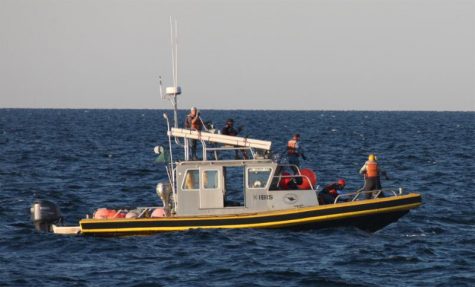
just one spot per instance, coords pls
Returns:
(223, 139)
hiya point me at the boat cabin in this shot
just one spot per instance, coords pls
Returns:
(235, 186)
(217, 187)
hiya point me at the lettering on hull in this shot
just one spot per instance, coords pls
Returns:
(263, 197)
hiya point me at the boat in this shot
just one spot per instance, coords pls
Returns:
(198, 194)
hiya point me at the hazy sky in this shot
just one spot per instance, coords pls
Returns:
(311, 55)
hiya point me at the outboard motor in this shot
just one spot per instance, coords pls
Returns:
(164, 191)
(44, 213)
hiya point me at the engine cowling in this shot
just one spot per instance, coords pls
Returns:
(44, 213)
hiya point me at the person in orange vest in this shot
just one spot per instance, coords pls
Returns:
(371, 172)
(194, 122)
(294, 152)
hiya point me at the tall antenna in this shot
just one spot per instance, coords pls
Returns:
(174, 46)
(171, 93)
(175, 76)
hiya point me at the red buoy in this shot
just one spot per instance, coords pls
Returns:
(104, 213)
(284, 180)
(158, 212)
(307, 175)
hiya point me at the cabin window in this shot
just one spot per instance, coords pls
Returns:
(192, 179)
(210, 179)
(257, 177)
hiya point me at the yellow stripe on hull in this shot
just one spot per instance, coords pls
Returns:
(269, 224)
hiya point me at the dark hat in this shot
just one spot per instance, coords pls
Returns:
(230, 121)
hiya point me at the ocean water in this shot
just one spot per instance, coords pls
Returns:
(86, 159)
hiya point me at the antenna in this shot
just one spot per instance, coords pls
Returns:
(175, 52)
(171, 93)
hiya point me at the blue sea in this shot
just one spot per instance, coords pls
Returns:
(86, 159)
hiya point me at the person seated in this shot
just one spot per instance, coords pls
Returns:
(330, 192)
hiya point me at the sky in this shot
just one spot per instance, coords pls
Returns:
(259, 54)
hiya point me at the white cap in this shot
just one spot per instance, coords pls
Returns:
(193, 108)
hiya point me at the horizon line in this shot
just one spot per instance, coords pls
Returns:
(227, 109)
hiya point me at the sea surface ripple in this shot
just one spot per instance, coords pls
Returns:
(86, 159)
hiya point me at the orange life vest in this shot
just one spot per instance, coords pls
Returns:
(292, 146)
(371, 169)
(194, 126)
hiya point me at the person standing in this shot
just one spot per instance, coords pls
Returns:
(294, 152)
(371, 172)
(194, 122)
(229, 130)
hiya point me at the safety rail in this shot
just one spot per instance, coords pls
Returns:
(225, 140)
(290, 176)
(225, 148)
(291, 166)
(374, 194)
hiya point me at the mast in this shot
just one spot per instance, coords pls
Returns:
(171, 93)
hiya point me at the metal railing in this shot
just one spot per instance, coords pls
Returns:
(275, 185)
(373, 194)
(225, 148)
